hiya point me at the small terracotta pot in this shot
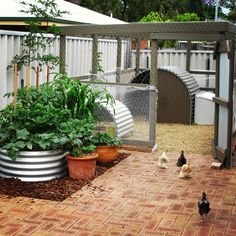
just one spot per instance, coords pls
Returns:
(107, 153)
(82, 167)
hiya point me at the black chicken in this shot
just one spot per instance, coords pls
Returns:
(181, 160)
(204, 206)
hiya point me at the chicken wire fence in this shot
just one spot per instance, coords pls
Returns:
(133, 114)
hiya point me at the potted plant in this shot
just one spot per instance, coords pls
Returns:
(106, 147)
(45, 119)
(81, 157)
(82, 162)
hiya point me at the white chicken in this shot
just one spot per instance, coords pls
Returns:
(163, 161)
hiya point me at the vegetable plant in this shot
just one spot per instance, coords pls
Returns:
(60, 115)
(104, 139)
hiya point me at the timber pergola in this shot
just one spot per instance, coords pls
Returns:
(222, 33)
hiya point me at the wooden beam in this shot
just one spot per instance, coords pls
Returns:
(221, 101)
(205, 72)
(215, 31)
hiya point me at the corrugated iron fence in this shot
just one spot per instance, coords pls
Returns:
(79, 59)
(200, 60)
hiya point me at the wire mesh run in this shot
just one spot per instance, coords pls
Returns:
(131, 115)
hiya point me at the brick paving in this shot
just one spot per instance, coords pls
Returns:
(135, 197)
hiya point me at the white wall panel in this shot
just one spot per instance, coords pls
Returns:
(223, 94)
(79, 58)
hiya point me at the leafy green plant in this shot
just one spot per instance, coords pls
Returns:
(79, 97)
(104, 139)
(78, 134)
(60, 115)
(152, 17)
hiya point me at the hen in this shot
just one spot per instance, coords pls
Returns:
(185, 171)
(181, 160)
(163, 161)
(204, 207)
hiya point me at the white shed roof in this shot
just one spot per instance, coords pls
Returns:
(11, 9)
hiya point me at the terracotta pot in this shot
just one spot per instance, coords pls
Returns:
(107, 153)
(82, 167)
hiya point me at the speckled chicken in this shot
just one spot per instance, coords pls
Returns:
(181, 160)
(204, 207)
(185, 171)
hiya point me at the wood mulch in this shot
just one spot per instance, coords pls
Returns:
(54, 190)
(170, 138)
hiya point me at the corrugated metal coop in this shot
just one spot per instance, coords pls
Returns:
(176, 94)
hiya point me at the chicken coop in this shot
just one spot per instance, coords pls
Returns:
(176, 94)
(221, 33)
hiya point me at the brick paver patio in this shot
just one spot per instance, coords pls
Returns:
(133, 198)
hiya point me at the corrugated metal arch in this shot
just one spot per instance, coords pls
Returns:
(120, 115)
(176, 94)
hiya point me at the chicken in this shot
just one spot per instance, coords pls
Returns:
(185, 171)
(163, 161)
(204, 207)
(181, 160)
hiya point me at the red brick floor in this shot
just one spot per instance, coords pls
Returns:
(133, 198)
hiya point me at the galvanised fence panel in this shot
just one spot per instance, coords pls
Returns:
(78, 59)
(200, 60)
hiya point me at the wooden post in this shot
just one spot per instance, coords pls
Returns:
(62, 68)
(153, 93)
(48, 69)
(188, 56)
(231, 55)
(15, 85)
(153, 74)
(28, 77)
(94, 57)
(118, 59)
(137, 61)
(37, 77)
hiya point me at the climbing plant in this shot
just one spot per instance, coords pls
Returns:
(39, 27)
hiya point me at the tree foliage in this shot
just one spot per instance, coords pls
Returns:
(187, 17)
(134, 10)
(231, 6)
(152, 17)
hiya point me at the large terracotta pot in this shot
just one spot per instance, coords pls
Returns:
(107, 153)
(82, 167)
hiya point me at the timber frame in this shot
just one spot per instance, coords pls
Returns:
(222, 33)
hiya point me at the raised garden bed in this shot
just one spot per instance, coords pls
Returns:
(54, 190)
